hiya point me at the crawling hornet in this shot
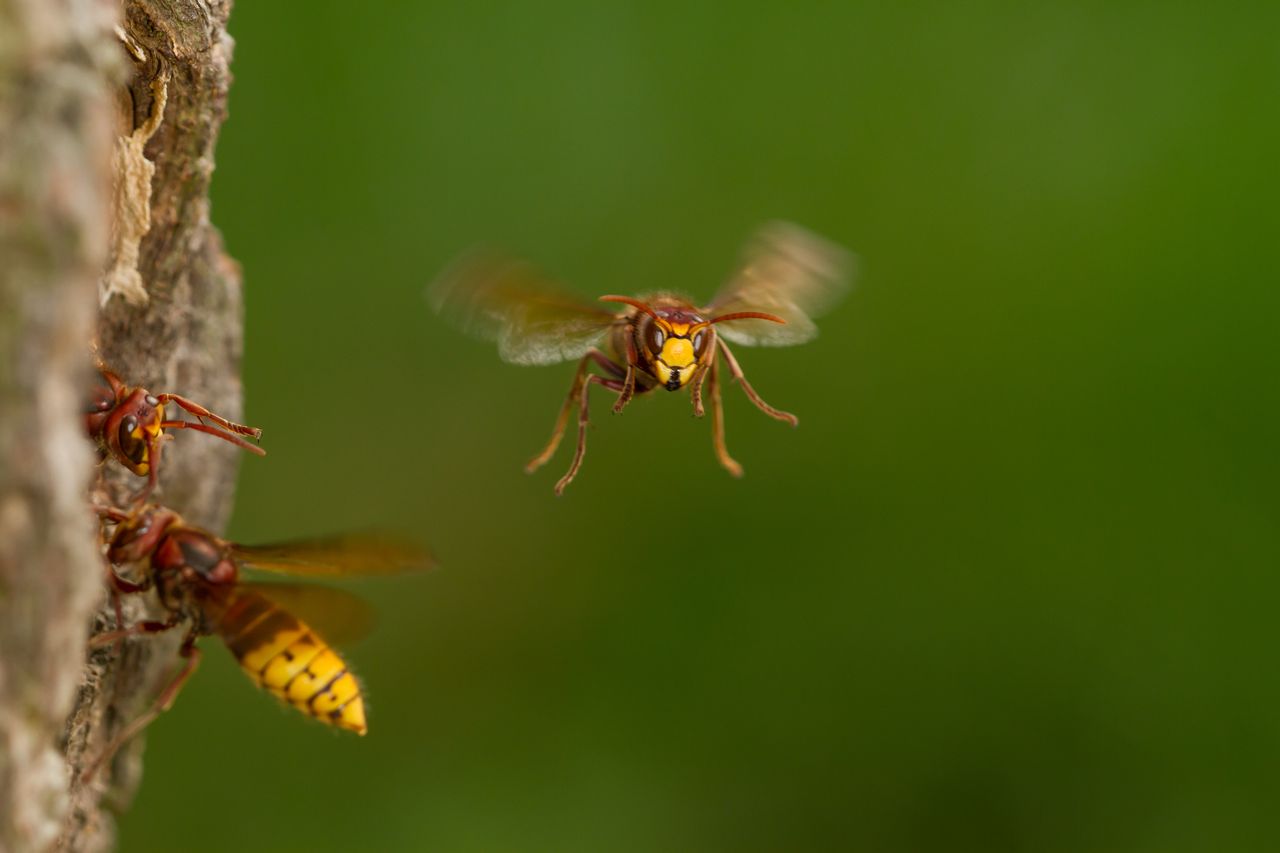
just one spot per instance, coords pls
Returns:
(197, 578)
(128, 424)
(662, 340)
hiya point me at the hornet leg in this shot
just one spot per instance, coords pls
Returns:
(153, 470)
(629, 380)
(717, 421)
(583, 419)
(145, 627)
(785, 417)
(575, 391)
(118, 587)
(163, 702)
(695, 391)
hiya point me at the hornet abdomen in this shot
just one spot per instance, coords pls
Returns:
(285, 657)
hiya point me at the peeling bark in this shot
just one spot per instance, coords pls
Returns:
(185, 336)
(131, 211)
(98, 200)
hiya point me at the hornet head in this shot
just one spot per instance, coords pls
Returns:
(677, 341)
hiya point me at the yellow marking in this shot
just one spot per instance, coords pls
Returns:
(339, 693)
(664, 373)
(256, 659)
(326, 665)
(318, 673)
(142, 466)
(677, 352)
(290, 662)
(308, 675)
(351, 717)
(679, 328)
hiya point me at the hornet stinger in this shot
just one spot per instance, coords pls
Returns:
(659, 340)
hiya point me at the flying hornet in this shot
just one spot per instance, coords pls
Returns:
(661, 340)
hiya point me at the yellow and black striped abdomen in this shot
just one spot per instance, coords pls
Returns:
(282, 655)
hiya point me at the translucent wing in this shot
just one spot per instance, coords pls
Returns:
(336, 615)
(349, 554)
(786, 271)
(532, 319)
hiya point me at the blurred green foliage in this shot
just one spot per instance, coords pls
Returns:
(1009, 586)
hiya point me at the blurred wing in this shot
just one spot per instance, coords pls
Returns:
(350, 554)
(532, 319)
(336, 615)
(786, 271)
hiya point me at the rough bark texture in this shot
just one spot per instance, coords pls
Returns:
(182, 334)
(57, 58)
(111, 210)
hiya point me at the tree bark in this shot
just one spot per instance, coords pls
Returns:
(103, 201)
(56, 60)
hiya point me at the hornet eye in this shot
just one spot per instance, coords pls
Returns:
(134, 449)
(656, 337)
(697, 342)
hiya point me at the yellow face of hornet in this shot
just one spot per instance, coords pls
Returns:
(134, 429)
(675, 345)
(145, 436)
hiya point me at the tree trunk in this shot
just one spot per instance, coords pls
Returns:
(118, 216)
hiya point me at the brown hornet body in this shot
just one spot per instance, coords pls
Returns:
(128, 424)
(196, 576)
(662, 340)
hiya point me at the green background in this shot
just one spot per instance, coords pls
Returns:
(1010, 585)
